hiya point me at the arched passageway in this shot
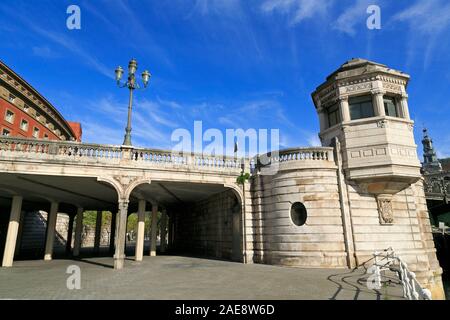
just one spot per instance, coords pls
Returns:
(170, 217)
(40, 214)
(191, 219)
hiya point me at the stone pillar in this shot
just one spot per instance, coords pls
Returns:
(345, 209)
(169, 230)
(20, 233)
(236, 243)
(404, 110)
(69, 234)
(140, 231)
(13, 228)
(153, 229)
(174, 230)
(378, 104)
(163, 232)
(119, 255)
(51, 225)
(323, 119)
(78, 231)
(98, 232)
(344, 109)
(112, 234)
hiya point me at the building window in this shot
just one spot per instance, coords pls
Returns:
(360, 107)
(36, 133)
(298, 214)
(333, 115)
(9, 116)
(6, 133)
(390, 106)
(45, 136)
(24, 125)
(11, 97)
(26, 108)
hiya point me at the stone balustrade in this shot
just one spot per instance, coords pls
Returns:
(297, 154)
(79, 152)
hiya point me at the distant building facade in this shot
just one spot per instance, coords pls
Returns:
(436, 173)
(24, 112)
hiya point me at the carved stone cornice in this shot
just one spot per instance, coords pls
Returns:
(378, 92)
(358, 87)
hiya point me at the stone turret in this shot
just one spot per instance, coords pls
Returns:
(364, 105)
(430, 161)
(363, 113)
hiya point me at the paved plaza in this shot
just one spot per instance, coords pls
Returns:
(178, 277)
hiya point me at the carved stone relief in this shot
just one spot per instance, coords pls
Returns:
(385, 210)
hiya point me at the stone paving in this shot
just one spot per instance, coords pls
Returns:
(178, 277)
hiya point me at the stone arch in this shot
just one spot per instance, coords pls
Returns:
(239, 237)
(115, 184)
(237, 192)
(131, 186)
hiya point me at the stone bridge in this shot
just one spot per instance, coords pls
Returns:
(437, 186)
(71, 177)
(437, 193)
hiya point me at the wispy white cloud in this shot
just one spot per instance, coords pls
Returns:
(137, 28)
(429, 21)
(297, 10)
(352, 16)
(44, 52)
(205, 7)
(152, 126)
(62, 40)
(426, 17)
(98, 132)
(314, 141)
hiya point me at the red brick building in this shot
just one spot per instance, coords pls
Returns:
(24, 112)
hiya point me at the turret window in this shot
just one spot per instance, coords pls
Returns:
(333, 115)
(360, 107)
(390, 106)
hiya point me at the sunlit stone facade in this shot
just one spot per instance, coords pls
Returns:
(365, 195)
(327, 207)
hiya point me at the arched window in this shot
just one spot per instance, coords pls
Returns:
(298, 214)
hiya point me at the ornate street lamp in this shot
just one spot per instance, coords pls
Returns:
(131, 84)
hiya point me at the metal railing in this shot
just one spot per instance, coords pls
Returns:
(389, 260)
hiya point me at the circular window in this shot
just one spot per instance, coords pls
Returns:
(298, 214)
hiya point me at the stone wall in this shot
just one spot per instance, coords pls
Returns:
(88, 236)
(206, 228)
(409, 235)
(277, 240)
(34, 224)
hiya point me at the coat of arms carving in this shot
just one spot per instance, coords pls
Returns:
(385, 211)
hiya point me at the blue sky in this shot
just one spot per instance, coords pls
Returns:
(230, 63)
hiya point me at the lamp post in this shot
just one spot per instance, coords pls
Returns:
(131, 84)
